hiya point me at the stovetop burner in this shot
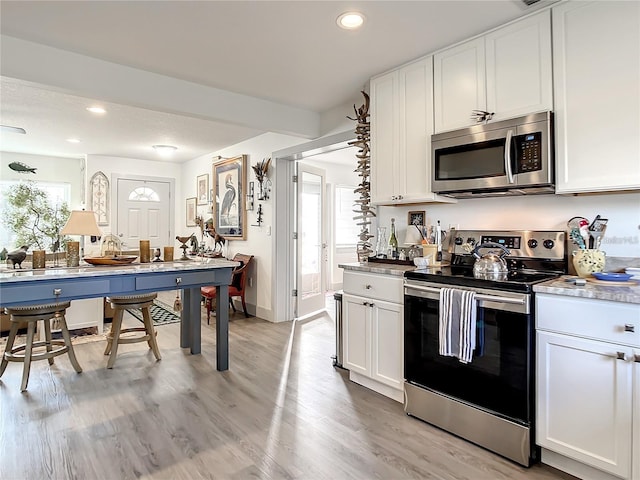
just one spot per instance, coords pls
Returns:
(536, 256)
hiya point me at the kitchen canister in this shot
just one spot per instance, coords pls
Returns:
(168, 254)
(73, 254)
(38, 258)
(587, 261)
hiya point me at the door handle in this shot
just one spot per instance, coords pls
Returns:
(507, 156)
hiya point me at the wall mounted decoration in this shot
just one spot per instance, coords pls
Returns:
(202, 187)
(416, 218)
(264, 184)
(364, 210)
(229, 184)
(191, 212)
(250, 197)
(99, 197)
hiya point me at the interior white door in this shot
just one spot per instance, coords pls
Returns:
(311, 245)
(142, 212)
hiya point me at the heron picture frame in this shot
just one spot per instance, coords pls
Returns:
(229, 187)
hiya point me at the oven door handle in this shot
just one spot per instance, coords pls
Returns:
(479, 296)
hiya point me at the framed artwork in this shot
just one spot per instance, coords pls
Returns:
(99, 197)
(416, 218)
(202, 185)
(229, 187)
(191, 212)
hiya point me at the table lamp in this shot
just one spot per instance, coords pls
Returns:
(80, 222)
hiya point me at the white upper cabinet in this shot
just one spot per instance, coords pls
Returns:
(506, 72)
(401, 129)
(597, 95)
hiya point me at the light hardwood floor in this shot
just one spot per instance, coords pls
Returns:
(281, 412)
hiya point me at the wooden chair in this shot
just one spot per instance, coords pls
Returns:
(236, 288)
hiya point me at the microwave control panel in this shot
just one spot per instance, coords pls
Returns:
(528, 152)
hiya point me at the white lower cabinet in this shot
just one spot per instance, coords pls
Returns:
(373, 333)
(588, 386)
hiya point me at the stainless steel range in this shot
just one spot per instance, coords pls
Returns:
(490, 400)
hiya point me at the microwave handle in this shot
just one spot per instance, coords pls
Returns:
(507, 156)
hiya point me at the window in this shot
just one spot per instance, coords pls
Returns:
(346, 228)
(144, 194)
(58, 194)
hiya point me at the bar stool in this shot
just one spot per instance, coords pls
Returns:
(31, 315)
(114, 338)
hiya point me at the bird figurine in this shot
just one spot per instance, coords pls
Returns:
(18, 256)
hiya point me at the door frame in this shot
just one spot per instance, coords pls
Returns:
(126, 176)
(284, 268)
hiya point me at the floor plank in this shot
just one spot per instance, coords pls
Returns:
(282, 411)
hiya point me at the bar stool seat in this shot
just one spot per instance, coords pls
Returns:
(115, 338)
(32, 314)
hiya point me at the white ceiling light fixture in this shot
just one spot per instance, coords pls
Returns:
(350, 20)
(164, 150)
(96, 109)
(73, 140)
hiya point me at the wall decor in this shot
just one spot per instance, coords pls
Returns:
(202, 187)
(364, 210)
(250, 197)
(416, 218)
(229, 186)
(191, 212)
(99, 197)
(264, 184)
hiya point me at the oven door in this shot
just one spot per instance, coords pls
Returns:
(499, 379)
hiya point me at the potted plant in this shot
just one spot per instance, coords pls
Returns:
(29, 213)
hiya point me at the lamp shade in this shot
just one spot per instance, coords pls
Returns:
(412, 236)
(81, 222)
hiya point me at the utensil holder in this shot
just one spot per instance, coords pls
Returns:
(587, 261)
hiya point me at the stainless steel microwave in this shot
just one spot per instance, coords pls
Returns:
(510, 157)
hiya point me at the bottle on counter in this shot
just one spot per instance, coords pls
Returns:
(438, 260)
(393, 241)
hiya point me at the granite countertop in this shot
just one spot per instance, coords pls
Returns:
(373, 267)
(616, 293)
(19, 275)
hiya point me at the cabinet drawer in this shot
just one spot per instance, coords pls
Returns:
(177, 280)
(598, 319)
(374, 286)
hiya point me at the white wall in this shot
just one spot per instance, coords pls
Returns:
(539, 212)
(258, 239)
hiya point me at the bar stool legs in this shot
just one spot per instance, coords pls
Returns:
(31, 315)
(115, 338)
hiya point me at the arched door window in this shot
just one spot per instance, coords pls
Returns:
(144, 194)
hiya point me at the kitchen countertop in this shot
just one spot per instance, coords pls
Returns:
(373, 267)
(615, 293)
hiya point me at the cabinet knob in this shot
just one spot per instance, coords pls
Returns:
(368, 287)
(621, 356)
(636, 358)
(371, 304)
(57, 291)
(365, 303)
(178, 280)
(629, 327)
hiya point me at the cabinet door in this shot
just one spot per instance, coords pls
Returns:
(585, 401)
(356, 334)
(596, 63)
(384, 138)
(415, 94)
(459, 85)
(518, 61)
(387, 351)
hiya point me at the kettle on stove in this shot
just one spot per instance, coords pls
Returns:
(491, 265)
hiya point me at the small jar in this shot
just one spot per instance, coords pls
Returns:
(145, 251)
(38, 259)
(168, 254)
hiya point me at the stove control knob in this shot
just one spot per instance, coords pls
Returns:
(532, 243)
(458, 241)
(548, 244)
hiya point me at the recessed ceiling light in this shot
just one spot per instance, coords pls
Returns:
(73, 140)
(96, 110)
(164, 150)
(350, 20)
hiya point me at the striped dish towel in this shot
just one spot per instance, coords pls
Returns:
(457, 324)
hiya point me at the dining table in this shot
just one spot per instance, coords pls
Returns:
(58, 284)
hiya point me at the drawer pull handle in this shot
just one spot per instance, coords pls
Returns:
(367, 287)
(629, 328)
(366, 304)
(57, 291)
(178, 280)
(371, 304)
(621, 356)
(636, 358)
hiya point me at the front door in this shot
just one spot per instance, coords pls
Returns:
(143, 208)
(311, 246)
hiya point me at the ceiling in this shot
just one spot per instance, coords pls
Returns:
(286, 56)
